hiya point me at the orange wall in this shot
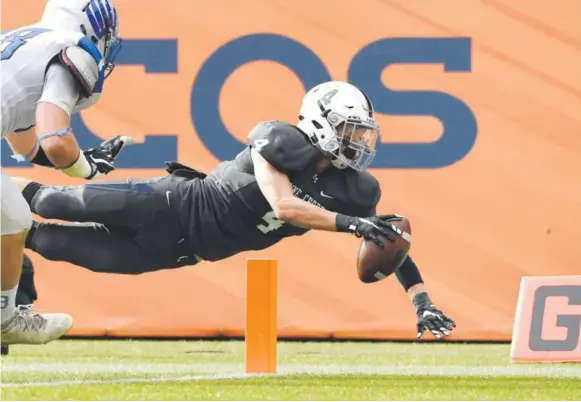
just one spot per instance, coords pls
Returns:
(510, 208)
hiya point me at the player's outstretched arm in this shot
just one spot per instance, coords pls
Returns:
(277, 189)
(429, 317)
(52, 143)
(59, 152)
(57, 140)
(57, 146)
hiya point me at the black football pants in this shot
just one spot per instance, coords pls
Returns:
(122, 227)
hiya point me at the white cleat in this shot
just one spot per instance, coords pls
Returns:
(29, 327)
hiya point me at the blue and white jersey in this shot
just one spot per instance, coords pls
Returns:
(31, 73)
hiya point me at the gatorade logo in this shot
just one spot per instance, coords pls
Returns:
(555, 324)
(548, 320)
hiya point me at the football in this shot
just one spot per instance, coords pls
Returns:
(375, 263)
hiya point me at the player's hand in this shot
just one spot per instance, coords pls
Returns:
(115, 145)
(370, 228)
(172, 167)
(101, 161)
(431, 319)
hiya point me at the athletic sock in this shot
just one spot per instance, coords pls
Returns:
(8, 304)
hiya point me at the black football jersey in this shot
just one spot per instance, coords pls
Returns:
(226, 213)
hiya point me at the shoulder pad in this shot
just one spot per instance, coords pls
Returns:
(283, 145)
(82, 66)
(274, 129)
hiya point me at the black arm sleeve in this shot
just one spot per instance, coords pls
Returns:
(41, 158)
(408, 274)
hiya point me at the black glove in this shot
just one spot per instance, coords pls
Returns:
(101, 162)
(369, 228)
(430, 318)
(115, 145)
(185, 171)
(102, 159)
(172, 167)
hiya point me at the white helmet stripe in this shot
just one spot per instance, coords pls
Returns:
(103, 13)
(110, 14)
(96, 19)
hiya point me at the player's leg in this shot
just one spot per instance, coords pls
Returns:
(137, 231)
(12, 253)
(11, 260)
(27, 293)
(99, 249)
(120, 204)
(19, 325)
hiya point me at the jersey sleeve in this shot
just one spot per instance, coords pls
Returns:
(369, 204)
(363, 194)
(371, 209)
(283, 146)
(60, 88)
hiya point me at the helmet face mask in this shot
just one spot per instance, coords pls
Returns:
(112, 47)
(356, 144)
(339, 119)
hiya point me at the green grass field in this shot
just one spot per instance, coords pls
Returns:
(193, 370)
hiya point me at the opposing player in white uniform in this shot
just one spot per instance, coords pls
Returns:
(49, 70)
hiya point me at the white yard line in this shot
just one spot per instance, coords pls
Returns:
(234, 371)
(61, 383)
(133, 368)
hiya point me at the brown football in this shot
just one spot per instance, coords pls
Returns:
(375, 263)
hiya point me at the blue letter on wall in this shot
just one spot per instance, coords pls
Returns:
(456, 117)
(157, 56)
(213, 74)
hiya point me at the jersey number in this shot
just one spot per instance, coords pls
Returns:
(271, 223)
(259, 144)
(11, 41)
(326, 99)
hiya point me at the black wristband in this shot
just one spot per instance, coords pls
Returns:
(346, 223)
(408, 274)
(421, 301)
(41, 158)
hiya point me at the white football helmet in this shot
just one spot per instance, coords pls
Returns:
(96, 19)
(339, 119)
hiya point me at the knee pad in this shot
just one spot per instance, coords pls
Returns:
(24, 218)
(16, 215)
(50, 201)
